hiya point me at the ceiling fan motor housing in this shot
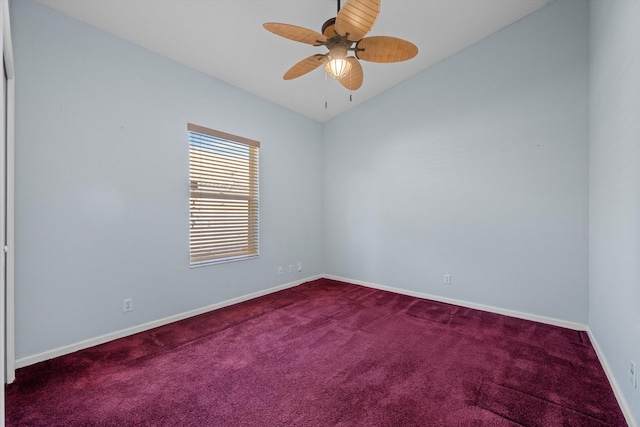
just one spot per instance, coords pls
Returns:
(328, 28)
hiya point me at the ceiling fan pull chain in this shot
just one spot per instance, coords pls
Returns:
(325, 91)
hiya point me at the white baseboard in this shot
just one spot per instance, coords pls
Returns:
(512, 313)
(624, 406)
(61, 351)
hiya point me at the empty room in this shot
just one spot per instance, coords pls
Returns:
(321, 212)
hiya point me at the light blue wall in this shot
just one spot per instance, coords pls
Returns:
(614, 250)
(477, 167)
(102, 184)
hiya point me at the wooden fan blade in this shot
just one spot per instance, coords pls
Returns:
(295, 33)
(354, 78)
(385, 49)
(356, 18)
(305, 66)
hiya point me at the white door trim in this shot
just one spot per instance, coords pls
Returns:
(7, 53)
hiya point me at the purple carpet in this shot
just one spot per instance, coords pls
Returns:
(326, 353)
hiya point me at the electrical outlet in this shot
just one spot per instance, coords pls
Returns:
(127, 305)
(280, 270)
(291, 268)
(447, 279)
(632, 374)
(299, 266)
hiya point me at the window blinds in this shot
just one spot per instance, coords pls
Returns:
(223, 196)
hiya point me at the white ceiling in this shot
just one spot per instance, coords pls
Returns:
(225, 39)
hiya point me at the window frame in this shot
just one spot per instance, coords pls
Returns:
(223, 175)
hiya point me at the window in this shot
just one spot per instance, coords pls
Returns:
(223, 196)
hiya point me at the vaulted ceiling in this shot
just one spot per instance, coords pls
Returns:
(225, 39)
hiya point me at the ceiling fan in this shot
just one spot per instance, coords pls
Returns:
(343, 35)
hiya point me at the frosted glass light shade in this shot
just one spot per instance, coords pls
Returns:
(338, 68)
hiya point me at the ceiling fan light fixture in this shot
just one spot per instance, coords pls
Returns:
(338, 68)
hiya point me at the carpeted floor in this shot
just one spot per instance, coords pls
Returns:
(326, 353)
